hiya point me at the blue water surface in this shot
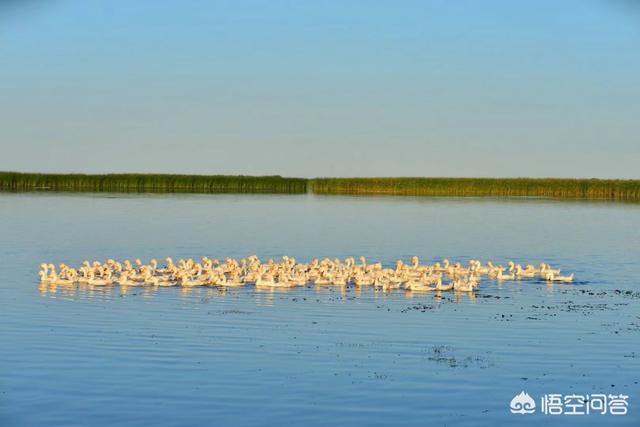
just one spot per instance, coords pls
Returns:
(75, 356)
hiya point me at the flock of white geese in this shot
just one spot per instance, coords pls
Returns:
(440, 276)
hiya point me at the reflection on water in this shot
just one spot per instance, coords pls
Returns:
(81, 355)
(75, 292)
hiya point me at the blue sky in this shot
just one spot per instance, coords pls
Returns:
(322, 88)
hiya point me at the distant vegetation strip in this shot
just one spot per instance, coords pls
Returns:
(474, 187)
(492, 187)
(150, 183)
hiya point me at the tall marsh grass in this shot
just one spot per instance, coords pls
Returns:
(163, 183)
(150, 183)
(492, 187)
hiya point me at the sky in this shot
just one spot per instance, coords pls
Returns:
(492, 88)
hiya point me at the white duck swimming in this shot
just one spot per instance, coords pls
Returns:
(551, 277)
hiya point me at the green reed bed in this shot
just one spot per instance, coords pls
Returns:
(491, 187)
(477, 187)
(150, 183)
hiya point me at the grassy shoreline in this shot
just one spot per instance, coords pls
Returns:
(604, 189)
(150, 183)
(483, 187)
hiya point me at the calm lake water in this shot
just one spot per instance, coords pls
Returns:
(78, 357)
